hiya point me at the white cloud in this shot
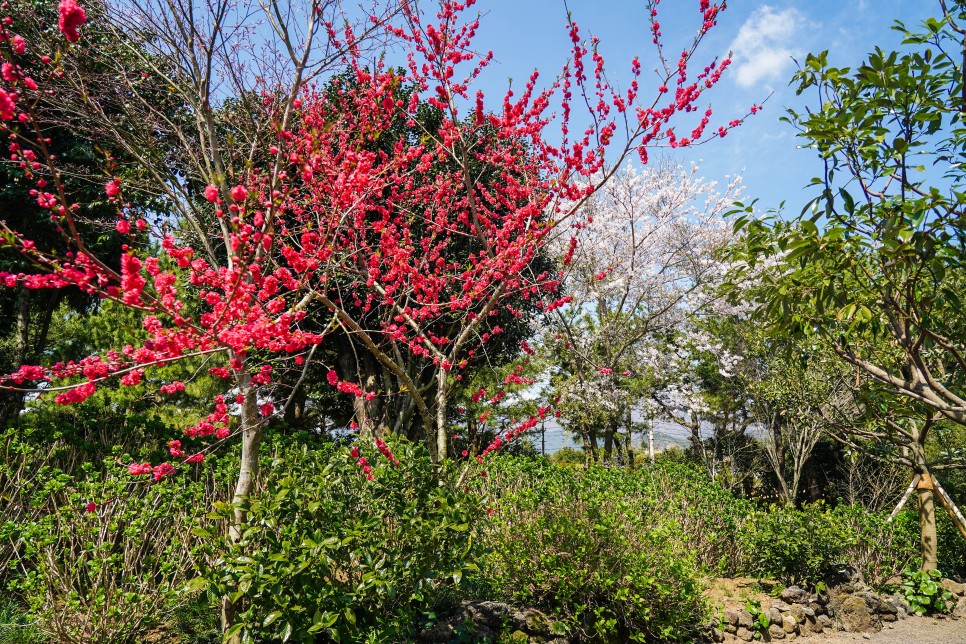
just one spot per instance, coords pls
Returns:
(763, 48)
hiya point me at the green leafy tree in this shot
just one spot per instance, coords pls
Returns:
(873, 265)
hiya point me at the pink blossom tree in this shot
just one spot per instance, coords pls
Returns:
(644, 267)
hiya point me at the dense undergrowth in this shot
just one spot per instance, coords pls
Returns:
(332, 555)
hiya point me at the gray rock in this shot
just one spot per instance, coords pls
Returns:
(824, 620)
(877, 604)
(717, 635)
(789, 624)
(812, 627)
(899, 603)
(776, 632)
(774, 615)
(745, 634)
(745, 620)
(732, 617)
(484, 621)
(798, 613)
(834, 576)
(960, 610)
(795, 595)
(854, 616)
(731, 629)
(954, 587)
(782, 606)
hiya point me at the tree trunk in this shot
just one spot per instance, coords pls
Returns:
(628, 448)
(594, 448)
(363, 369)
(251, 433)
(927, 523)
(442, 438)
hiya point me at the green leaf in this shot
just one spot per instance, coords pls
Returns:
(271, 617)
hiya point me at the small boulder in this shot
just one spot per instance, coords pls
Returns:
(776, 632)
(954, 587)
(746, 620)
(745, 634)
(842, 575)
(795, 595)
(789, 624)
(774, 615)
(898, 602)
(878, 605)
(854, 616)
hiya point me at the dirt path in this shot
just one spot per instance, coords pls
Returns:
(912, 630)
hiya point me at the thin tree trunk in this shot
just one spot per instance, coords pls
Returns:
(442, 439)
(594, 447)
(628, 442)
(251, 435)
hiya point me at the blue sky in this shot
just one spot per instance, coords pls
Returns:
(764, 37)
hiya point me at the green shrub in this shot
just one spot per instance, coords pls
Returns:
(567, 456)
(596, 549)
(794, 545)
(878, 548)
(328, 553)
(952, 551)
(111, 570)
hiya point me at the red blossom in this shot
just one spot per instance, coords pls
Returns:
(112, 188)
(72, 16)
(162, 470)
(8, 105)
(139, 469)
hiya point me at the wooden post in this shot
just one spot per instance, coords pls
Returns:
(905, 498)
(947, 502)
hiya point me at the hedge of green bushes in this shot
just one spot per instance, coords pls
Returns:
(333, 555)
